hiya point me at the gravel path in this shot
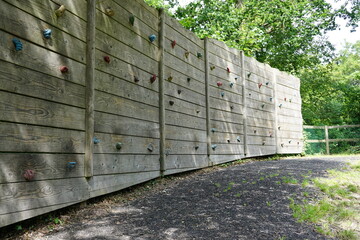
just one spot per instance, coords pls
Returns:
(248, 201)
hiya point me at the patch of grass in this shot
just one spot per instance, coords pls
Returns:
(290, 180)
(217, 185)
(274, 175)
(337, 212)
(230, 185)
(238, 195)
(261, 178)
(268, 204)
(305, 183)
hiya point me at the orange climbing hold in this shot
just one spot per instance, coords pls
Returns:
(173, 43)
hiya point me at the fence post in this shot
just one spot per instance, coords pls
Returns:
(89, 88)
(244, 93)
(207, 94)
(327, 140)
(161, 90)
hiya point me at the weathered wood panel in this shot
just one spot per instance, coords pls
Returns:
(188, 162)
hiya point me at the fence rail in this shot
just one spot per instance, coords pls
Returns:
(327, 141)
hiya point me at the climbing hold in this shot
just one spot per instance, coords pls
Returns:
(228, 69)
(153, 78)
(231, 107)
(222, 94)
(260, 84)
(107, 59)
(263, 105)
(231, 84)
(212, 68)
(152, 38)
(290, 141)
(228, 140)
(47, 33)
(179, 91)
(196, 147)
(173, 43)
(271, 99)
(188, 79)
(170, 78)
(136, 79)
(249, 74)
(118, 145)
(213, 130)
(171, 102)
(279, 127)
(298, 143)
(255, 131)
(187, 54)
(236, 78)
(60, 11)
(214, 146)
(285, 99)
(96, 140)
(29, 174)
(263, 143)
(267, 83)
(280, 105)
(71, 165)
(282, 145)
(197, 111)
(270, 134)
(238, 138)
(150, 147)
(132, 19)
(290, 100)
(109, 11)
(249, 94)
(219, 84)
(64, 69)
(18, 44)
(199, 55)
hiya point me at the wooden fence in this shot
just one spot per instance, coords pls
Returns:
(104, 95)
(326, 140)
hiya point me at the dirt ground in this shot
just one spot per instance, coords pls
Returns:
(246, 201)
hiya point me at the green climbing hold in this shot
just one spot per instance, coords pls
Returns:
(118, 145)
(132, 19)
(199, 55)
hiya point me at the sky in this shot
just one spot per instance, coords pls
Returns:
(337, 37)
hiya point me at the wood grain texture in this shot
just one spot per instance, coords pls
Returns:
(185, 134)
(28, 138)
(181, 80)
(186, 95)
(21, 109)
(185, 161)
(181, 106)
(226, 127)
(46, 166)
(218, 159)
(174, 147)
(182, 120)
(17, 197)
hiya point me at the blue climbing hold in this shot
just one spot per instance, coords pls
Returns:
(238, 139)
(96, 140)
(222, 94)
(214, 146)
(280, 105)
(231, 84)
(271, 99)
(152, 38)
(18, 44)
(71, 164)
(47, 33)
(213, 130)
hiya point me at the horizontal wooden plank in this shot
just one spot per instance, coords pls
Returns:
(218, 115)
(233, 85)
(182, 120)
(182, 82)
(228, 148)
(28, 138)
(136, 36)
(109, 123)
(22, 109)
(223, 105)
(117, 163)
(221, 61)
(24, 81)
(119, 50)
(221, 93)
(218, 137)
(46, 166)
(129, 90)
(260, 123)
(261, 112)
(178, 105)
(219, 159)
(226, 127)
(17, 197)
(252, 87)
(223, 51)
(297, 120)
(260, 150)
(15, 21)
(72, 22)
(184, 134)
(103, 184)
(260, 131)
(187, 95)
(129, 144)
(261, 140)
(10, 218)
(179, 170)
(33, 56)
(116, 105)
(185, 161)
(290, 149)
(174, 147)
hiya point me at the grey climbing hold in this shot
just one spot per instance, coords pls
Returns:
(249, 74)
(196, 147)
(132, 19)
(150, 147)
(231, 84)
(213, 130)
(228, 140)
(188, 79)
(118, 145)
(238, 138)
(214, 146)
(271, 99)
(222, 94)
(179, 91)
(263, 105)
(171, 102)
(280, 105)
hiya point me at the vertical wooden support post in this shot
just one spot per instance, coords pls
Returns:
(161, 90)
(326, 128)
(89, 87)
(276, 122)
(244, 94)
(207, 96)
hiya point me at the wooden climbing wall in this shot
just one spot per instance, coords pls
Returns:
(164, 102)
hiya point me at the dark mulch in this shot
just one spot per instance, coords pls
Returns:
(248, 201)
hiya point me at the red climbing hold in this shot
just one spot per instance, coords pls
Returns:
(29, 175)
(219, 84)
(228, 70)
(64, 69)
(173, 43)
(107, 59)
(285, 99)
(153, 78)
(260, 84)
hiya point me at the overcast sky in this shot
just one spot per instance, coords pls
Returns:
(337, 37)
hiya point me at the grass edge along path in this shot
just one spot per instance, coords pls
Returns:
(336, 213)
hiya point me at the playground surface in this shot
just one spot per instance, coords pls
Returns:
(245, 201)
